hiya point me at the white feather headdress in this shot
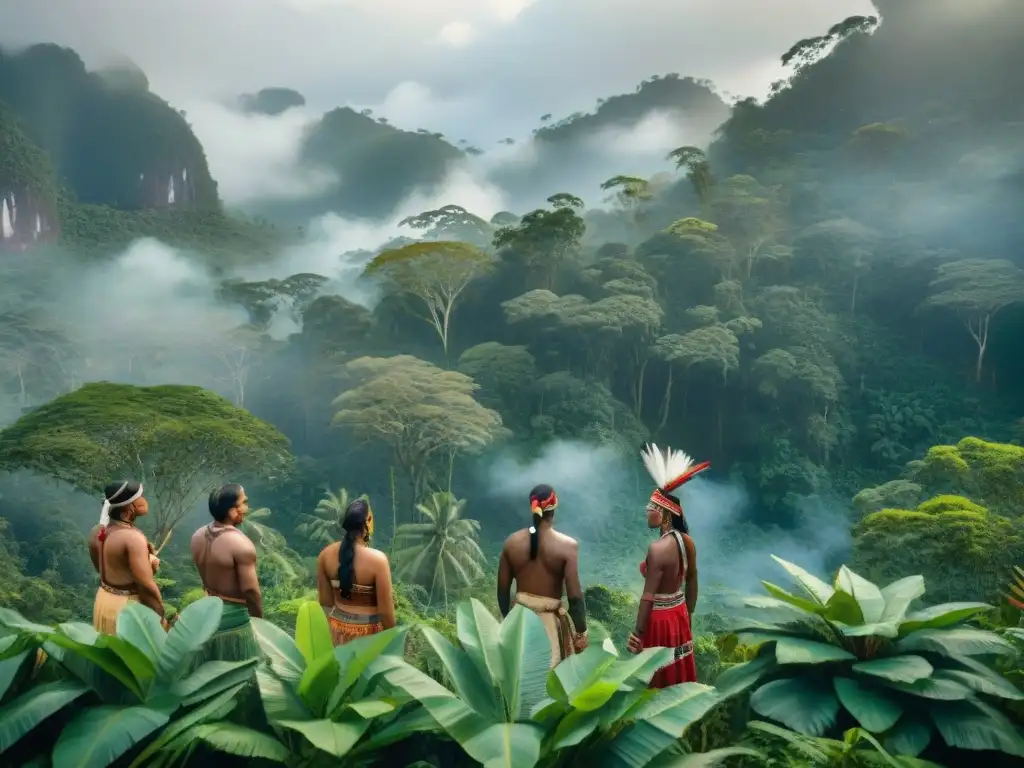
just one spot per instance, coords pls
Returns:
(664, 468)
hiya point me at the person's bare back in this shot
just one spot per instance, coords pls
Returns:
(545, 575)
(217, 551)
(224, 556)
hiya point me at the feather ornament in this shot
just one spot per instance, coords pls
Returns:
(671, 468)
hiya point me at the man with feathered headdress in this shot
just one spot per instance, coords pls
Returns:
(663, 620)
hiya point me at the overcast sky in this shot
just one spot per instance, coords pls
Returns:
(487, 66)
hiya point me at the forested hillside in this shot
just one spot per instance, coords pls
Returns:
(826, 301)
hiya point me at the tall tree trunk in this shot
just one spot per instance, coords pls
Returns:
(666, 400)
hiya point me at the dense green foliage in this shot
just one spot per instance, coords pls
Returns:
(826, 301)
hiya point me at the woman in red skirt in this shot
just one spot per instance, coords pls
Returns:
(670, 571)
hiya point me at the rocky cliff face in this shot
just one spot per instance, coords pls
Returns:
(25, 220)
(28, 201)
(111, 140)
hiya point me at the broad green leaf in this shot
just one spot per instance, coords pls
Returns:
(13, 620)
(212, 678)
(409, 722)
(818, 590)
(795, 650)
(280, 701)
(194, 627)
(100, 735)
(596, 693)
(740, 677)
(574, 728)
(371, 708)
(709, 759)
(934, 688)
(104, 658)
(577, 671)
(312, 632)
(522, 639)
(476, 691)
(900, 595)
(356, 657)
(910, 736)
(977, 726)
(843, 608)
(875, 711)
(886, 629)
(793, 601)
(10, 669)
(215, 708)
(335, 738)
(868, 596)
(20, 716)
(808, 746)
(900, 669)
(659, 723)
(940, 616)
(477, 631)
(141, 627)
(278, 646)
(240, 741)
(319, 680)
(802, 705)
(993, 685)
(959, 641)
(506, 745)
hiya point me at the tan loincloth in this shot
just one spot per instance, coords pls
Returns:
(108, 606)
(557, 623)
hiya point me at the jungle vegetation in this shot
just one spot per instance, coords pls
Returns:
(826, 301)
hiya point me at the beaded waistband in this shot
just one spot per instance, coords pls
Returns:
(345, 617)
(667, 602)
(119, 591)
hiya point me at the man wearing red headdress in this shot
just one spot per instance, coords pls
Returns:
(670, 571)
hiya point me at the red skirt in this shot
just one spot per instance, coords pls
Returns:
(669, 627)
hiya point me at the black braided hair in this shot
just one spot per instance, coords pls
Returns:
(539, 496)
(354, 525)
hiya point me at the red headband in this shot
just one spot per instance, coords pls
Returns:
(540, 506)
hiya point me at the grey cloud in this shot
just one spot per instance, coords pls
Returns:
(555, 56)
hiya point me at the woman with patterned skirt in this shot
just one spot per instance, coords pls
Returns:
(354, 581)
(670, 571)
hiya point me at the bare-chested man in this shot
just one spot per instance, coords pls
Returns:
(544, 564)
(226, 559)
(123, 557)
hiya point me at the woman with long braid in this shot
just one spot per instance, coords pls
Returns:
(545, 563)
(670, 570)
(354, 580)
(123, 557)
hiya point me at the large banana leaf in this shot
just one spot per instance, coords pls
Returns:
(524, 644)
(193, 628)
(20, 716)
(217, 707)
(802, 705)
(100, 735)
(141, 627)
(312, 632)
(477, 631)
(239, 741)
(285, 658)
(472, 687)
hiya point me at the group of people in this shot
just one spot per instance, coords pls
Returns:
(544, 564)
(354, 580)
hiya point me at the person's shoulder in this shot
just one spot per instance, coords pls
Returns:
(567, 540)
(331, 550)
(515, 536)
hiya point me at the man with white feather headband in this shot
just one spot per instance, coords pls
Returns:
(670, 570)
(123, 557)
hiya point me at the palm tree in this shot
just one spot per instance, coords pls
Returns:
(324, 525)
(273, 547)
(443, 551)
